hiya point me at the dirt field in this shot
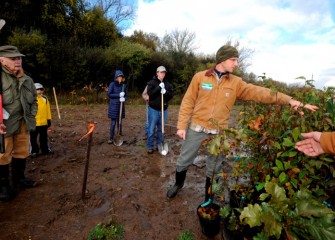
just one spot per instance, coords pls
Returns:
(124, 184)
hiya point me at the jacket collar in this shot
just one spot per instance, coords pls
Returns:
(211, 71)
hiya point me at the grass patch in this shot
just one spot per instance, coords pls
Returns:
(106, 232)
(186, 235)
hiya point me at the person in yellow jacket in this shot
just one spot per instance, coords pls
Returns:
(43, 122)
(316, 143)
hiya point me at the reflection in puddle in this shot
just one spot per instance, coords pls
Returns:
(97, 211)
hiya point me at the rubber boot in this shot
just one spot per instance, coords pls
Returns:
(180, 178)
(207, 187)
(19, 180)
(6, 192)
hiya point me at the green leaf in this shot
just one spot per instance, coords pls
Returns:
(280, 165)
(264, 196)
(277, 145)
(295, 134)
(251, 215)
(278, 194)
(214, 146)
(271, 225)
(260, 186)
(292, 153)
(225, 211)
(286, 133)
(267, 178)
(283, 178)
(294, 182)
(302, 174)
(288, 142)
(279, 154)
(287, 165)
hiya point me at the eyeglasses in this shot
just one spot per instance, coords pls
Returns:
(39, 89)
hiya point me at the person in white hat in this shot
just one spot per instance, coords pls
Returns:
(157, 87)
(43, 122)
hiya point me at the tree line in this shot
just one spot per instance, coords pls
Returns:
(72, 43)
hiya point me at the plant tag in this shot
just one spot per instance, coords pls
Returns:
(206, 203)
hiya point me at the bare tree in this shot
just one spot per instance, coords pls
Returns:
(179, 41)
(245, 54)
(122, 12)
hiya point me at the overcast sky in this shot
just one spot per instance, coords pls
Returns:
(291, 38)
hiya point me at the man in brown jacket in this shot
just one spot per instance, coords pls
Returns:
(211, 95)
(316, 143)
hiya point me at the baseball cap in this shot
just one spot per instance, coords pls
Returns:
(38, 86)
(161, 69)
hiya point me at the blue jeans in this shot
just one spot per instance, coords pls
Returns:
(146, 126)
(155, 121)
(112, 127)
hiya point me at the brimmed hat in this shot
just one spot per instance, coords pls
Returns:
(226, 52)
(161, 69)
(38, 86)
(10, 51)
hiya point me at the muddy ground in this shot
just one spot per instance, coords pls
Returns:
(124, 184)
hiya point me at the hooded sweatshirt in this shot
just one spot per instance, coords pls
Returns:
(114, 90)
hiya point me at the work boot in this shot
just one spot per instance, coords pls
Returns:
(180, 178)
(208, 191)
(19, 180)
(6, 192)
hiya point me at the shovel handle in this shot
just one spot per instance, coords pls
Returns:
(162, 98)
(120, 114)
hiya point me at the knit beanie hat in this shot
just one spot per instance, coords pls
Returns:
(226, 52)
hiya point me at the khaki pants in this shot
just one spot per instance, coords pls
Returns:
(16, 146)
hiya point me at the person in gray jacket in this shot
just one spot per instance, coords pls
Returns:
(19, 107)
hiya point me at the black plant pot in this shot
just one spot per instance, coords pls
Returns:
(230, 235)
(210, 227)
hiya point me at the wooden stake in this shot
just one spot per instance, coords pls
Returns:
(89, 143)
(56, 102)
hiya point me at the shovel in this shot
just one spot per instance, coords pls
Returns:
(163, 148)
(118, 139)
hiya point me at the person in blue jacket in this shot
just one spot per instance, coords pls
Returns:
(117, 94)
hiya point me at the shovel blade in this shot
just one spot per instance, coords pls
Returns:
(160, 147)
(163, 149)
(2, 23)
(118, 141)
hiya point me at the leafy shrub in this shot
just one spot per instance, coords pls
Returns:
(288, 195)
(106, 232)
